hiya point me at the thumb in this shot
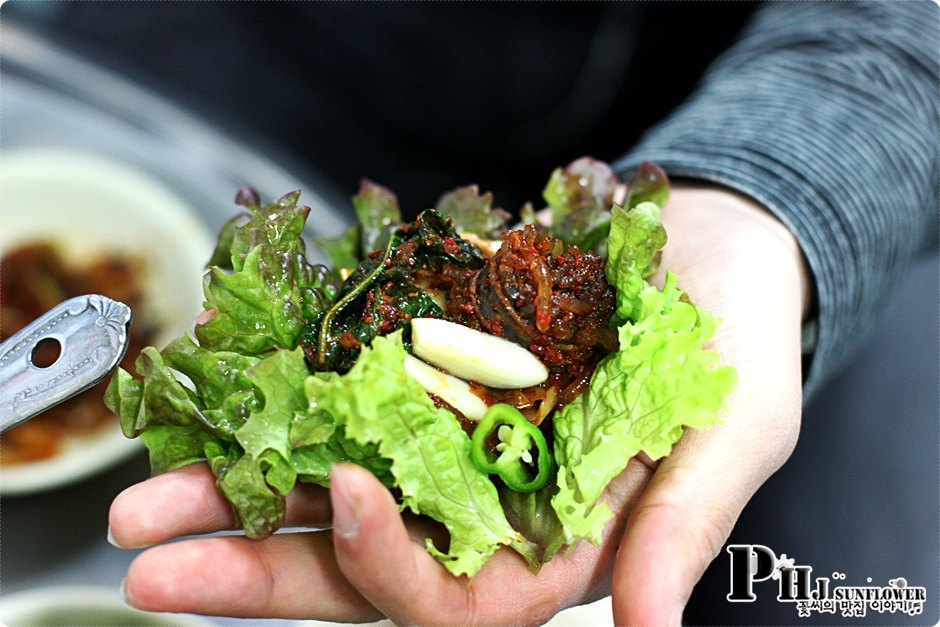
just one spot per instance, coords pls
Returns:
(687, 512)
(378, 556)
(665, 550)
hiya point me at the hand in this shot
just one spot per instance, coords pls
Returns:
(738, 261)
(732, 258)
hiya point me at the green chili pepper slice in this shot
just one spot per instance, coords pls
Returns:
(521, 453)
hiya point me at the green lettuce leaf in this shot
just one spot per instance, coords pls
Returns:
(473, 212)
(580, 197)
(278, 224)
(280, 379)
(124, 397)
(532, 515)
(257, 308)
(635, 238)
(343, 250)
(379, 215)
(167, 416)
(259, 509)
(429, 452)
(319, 442)
(660, 380)
(175, 446)
(640, 399)
(272, 292)
(258, 481)
(164, 400)
(313, 461)
(226, 396)
(527, 215)
(279, 473)
(222, 254)
(648, 184)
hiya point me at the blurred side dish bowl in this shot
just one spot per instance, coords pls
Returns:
(77, 223)
(66, 606)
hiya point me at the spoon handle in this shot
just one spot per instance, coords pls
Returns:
(91, 333)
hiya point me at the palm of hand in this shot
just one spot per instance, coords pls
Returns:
(671, 520)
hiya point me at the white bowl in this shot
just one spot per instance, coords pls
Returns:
(80, 606)
(87, 205)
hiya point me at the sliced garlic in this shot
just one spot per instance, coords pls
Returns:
(453, 391)
(475, 356)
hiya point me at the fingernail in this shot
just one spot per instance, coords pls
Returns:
(676, 619)
(201, 319)
(345, 507)
(124, 593)
(111, 539)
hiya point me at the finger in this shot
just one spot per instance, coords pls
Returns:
(187, 502)
(376, 554)
(621, 495)
(285, 576)
(396, 574)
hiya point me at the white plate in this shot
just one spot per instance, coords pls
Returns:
(87, 205)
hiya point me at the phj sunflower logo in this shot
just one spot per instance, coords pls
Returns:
(752, 563)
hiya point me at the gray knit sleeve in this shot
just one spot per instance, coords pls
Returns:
(827, 114)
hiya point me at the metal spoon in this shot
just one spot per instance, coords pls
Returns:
(91, 331)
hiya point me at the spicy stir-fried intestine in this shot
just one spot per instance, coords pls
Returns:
(551, 298)
(535, 290)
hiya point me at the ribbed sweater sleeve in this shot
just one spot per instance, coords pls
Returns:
(827, 114)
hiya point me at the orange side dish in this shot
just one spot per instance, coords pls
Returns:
(35, 279)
